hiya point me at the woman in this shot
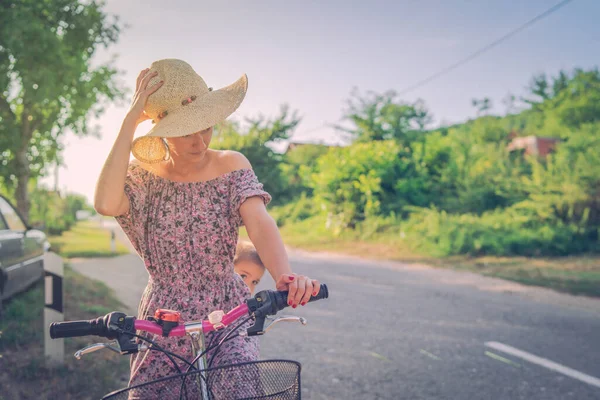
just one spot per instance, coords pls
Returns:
(181, 205)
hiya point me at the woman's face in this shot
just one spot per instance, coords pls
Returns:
(191, 147)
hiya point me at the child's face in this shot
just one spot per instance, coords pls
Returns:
(250, 273)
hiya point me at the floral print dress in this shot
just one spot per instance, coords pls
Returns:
(186, 233)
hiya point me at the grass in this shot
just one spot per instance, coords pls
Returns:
(21, 329)
(576, 275)
(86, 239)
(21, 321)
(23, 373)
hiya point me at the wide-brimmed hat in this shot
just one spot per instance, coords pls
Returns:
(182, 106)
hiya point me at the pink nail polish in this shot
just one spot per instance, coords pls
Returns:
(292, 278)
(303, 303)
(289, 303)
(295, 305)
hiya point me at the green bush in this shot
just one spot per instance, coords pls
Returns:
(297, 165)
(48, 210)
(295, 211)
(350, 181)
(458, 190)
(513, 231)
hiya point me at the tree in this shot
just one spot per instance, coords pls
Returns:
(560, 82)
(48, 85)
(356, 182)
(540, 88)
(509, 102)
(482, 106)
(544, 88)
(577, 101)
(385, 117)
(254, 144)
(298, 164)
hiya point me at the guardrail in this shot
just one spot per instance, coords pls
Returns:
(54, 349)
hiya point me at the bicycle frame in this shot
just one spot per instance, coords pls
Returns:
(198, 345)
(168, 323)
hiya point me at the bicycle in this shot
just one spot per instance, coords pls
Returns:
(265, 379)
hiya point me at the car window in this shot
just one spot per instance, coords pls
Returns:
(11, 217)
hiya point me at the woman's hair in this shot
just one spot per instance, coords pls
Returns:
(246, 251)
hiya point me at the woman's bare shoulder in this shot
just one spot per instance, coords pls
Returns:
(229, 160)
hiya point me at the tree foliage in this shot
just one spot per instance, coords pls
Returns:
(255, 143)
(458, 189)
(385, 117)
(49, 84)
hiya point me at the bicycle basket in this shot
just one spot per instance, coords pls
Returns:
(270, 379)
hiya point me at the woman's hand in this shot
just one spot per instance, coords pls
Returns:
(300, 288)
(142, 91)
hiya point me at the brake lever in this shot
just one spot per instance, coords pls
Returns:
(258, 327)
(285, 318)
(114, 346)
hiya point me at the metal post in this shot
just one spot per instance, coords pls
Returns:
(54, 349)
(113, 244)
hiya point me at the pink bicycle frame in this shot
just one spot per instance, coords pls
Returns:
(188, 327)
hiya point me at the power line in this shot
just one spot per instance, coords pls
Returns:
(486, 48)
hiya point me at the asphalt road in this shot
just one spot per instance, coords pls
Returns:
(390, 331)
(394, 332)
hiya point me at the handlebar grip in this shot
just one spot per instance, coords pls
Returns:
(282, 295)
(93, 327)
(323, 293)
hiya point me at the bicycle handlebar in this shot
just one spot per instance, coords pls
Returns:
(282, 296)
(93, 327)
(267, 302)
(271, 302)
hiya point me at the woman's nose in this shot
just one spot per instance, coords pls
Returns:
(199, 140)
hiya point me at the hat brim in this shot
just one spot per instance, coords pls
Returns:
(204, 112)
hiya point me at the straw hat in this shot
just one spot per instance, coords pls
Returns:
(182, 106)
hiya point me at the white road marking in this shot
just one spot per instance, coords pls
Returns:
(428, 354)
(502, 359)
(545, 363)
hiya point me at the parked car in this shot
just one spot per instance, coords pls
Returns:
(21, 252)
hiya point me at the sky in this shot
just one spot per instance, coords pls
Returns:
(312, 54)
